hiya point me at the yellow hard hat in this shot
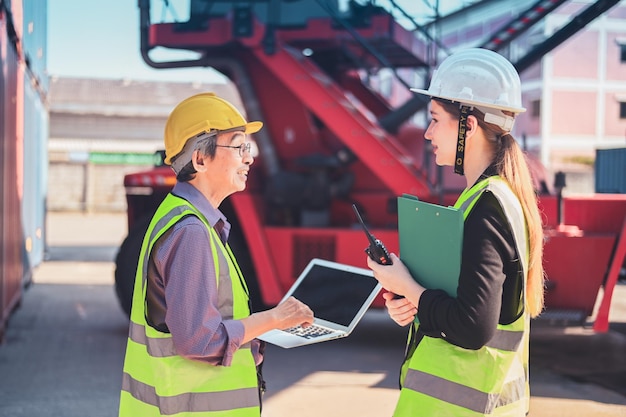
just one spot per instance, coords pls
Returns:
(204, 112)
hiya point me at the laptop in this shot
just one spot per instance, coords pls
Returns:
(339, 296)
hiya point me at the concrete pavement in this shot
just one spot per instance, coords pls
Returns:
(64, 348)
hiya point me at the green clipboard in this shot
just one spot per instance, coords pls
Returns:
(431, 240)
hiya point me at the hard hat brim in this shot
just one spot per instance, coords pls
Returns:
(253, 127)
(470, 102)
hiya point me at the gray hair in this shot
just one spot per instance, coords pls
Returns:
(204, 141)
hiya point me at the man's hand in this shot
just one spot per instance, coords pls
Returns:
(292, 312)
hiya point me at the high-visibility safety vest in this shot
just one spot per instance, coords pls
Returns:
(441, 379)
(159, 382)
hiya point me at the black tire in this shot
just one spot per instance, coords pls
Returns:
(126, 264)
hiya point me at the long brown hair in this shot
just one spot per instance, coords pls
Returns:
(510, 162)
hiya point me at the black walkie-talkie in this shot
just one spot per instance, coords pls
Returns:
(376, 250)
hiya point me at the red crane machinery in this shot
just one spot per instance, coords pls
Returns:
(331, 140)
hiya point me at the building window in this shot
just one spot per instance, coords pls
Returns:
(621, 44)
(535, 108)
(622, 110)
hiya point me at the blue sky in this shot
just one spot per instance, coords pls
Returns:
(100, 39)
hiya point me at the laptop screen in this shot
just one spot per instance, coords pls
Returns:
(335, 295)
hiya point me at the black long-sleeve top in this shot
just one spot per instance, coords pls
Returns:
(490, 282)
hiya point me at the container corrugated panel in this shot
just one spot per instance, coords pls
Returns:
(610, 171)
(35, 177)
(11, 106)
(34, 39)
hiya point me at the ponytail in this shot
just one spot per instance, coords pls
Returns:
(512, 166)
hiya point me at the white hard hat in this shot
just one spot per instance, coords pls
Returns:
(480, 78)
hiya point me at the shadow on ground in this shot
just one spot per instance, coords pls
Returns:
(582, 355)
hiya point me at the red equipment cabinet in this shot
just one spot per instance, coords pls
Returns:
(329, 140)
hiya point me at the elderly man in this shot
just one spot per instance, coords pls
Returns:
(192, 344)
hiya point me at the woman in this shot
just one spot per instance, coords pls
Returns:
(469, 354)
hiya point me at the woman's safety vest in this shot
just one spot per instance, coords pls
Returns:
(441, 379)
(159, 382)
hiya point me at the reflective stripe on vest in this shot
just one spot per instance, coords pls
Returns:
(463, 396)
(200, 402)
(444, 379)
(157, 381)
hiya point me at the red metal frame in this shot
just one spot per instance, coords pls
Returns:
(259, 247)
(601, 323)
(292, 90)
(384, 156)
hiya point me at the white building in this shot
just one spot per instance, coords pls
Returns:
(102, 129)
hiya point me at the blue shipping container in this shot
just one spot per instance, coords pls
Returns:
(610, 171)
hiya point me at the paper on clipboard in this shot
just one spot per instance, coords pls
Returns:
(431, 240)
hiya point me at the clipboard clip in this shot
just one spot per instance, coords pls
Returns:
(376, 250)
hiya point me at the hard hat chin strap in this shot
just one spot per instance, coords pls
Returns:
(460, 140)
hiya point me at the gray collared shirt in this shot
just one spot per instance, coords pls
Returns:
(184, 262)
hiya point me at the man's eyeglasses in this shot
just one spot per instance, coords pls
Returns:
(244, 148)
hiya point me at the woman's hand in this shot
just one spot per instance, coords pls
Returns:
(401, 310)
(397, 279)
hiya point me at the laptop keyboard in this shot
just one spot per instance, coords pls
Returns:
(310, 332)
